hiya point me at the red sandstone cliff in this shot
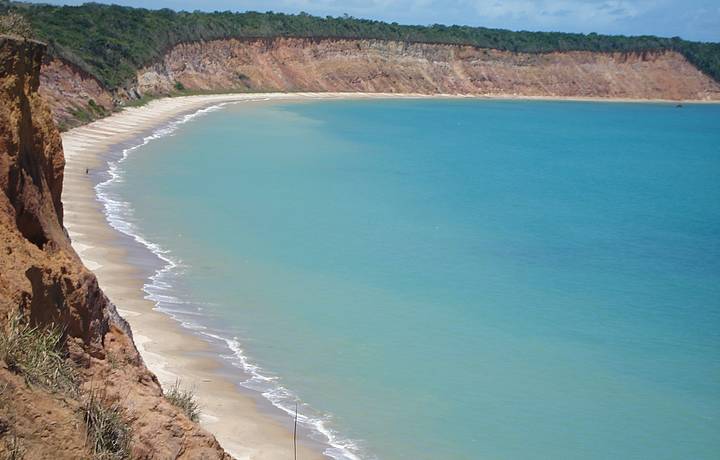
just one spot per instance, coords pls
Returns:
(43, 280)
(291, 64)
(298, 64)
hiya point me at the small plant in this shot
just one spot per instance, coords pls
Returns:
(83, 115)
(107, 431)
(184, 399)
(144, 99)
(113, 360)
(179, 86)
(15, 450)
(38, 355)
(96, 108)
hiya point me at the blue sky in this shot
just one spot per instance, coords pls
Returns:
(690, 19)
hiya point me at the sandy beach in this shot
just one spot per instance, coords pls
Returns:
(245, 429)
(246, 425)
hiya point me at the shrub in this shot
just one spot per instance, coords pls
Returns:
(107, 431)
(82, 114)
(96, 108)
(184, 399)
(38, 355)
(179, 86)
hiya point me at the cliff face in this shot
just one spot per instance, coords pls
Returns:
(74, 96)
(43, 281)
(291, 64)
(297, 64)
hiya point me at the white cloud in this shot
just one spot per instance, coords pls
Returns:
(544, 13)
(529, 14)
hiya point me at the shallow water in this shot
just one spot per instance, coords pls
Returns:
(452, 278)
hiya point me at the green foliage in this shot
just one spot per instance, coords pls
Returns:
(96, 108)
(108, 432)
(81, 114)
(38, 355)
(16, 25)
(185, 400)
(179, 86)
(111, 42)
(143, 100)
(92, 111)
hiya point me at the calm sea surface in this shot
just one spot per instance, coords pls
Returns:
(451, 279)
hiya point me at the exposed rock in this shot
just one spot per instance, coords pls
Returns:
(302, 64)
(293, 64)
(43, 279)
(75, 96)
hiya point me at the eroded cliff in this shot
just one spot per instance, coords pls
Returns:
(43, 282)
(301, 64)
(292, 64)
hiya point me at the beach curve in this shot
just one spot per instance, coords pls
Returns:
(245, 427)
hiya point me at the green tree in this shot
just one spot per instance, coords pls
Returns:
(112, 42)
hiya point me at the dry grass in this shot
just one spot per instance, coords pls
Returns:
(38, 355)
(184, 399)
(15, 450)
(108, 432)
(15, 25)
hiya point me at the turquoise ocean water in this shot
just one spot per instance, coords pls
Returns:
(449, 279)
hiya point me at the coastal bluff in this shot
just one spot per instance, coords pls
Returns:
(290, 64)
(43, 282)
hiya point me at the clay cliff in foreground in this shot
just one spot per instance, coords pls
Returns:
(94, 368)
(301, 64)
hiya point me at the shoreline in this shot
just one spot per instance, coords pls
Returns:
(244, 424)
(170, 350)
(299, 96)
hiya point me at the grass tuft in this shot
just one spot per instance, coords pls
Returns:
(108, 432)
(38, 355)
(14, 448)
(184, 399)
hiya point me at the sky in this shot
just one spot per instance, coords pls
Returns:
(689, 19)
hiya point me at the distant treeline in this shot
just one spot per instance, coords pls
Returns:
(111, 42)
